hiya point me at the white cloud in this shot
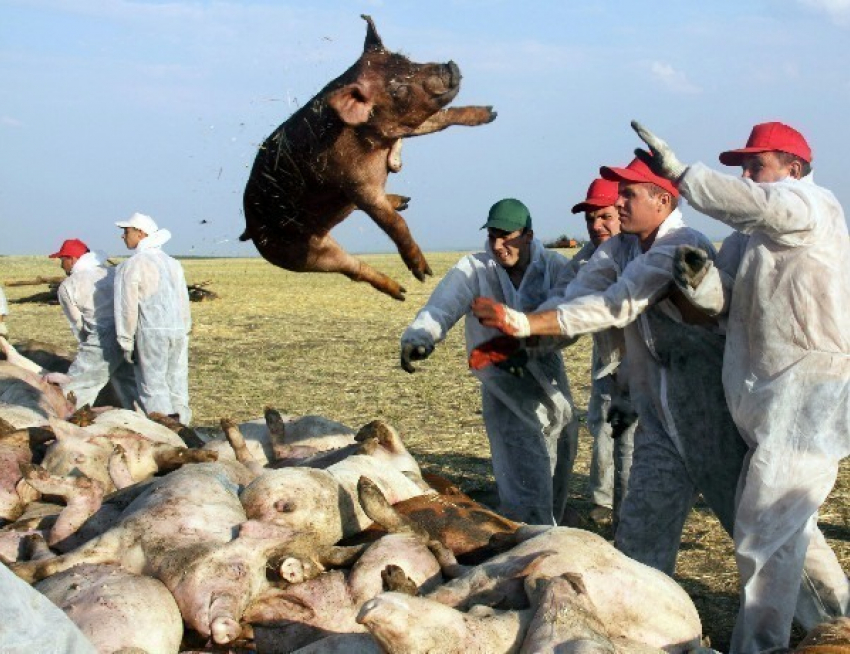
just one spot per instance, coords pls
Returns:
(837, 10)
(672, 79)
(8, 121)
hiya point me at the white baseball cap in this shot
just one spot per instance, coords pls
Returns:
(141, 222)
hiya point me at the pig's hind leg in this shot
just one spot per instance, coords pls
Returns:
(383, 209)
(327, 255)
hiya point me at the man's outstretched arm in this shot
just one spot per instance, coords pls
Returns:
(515, 323)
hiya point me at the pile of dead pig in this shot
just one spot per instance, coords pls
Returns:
(296, 535)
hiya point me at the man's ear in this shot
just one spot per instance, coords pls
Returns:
(352, 103)
(795, 169)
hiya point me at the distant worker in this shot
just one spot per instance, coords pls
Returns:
(4, 311)
(527, 406)
(153, 319)
(786, 369)
(86, 298)
(611, 459)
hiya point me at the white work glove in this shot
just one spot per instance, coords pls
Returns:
(414, 347)
(4, 330)
(128, 356)
(690, 265)
(660, 158)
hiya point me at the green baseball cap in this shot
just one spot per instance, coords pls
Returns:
(509, 215)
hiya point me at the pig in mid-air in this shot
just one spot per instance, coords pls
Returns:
(334, 154)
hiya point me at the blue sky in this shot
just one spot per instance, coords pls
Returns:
(114, 106)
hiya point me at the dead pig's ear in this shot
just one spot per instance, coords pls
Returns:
(352, 103)
(63, 429)
(373, 39)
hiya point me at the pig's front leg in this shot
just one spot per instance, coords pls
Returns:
(382, 210)
(469, 116)
(240, 448)
(103, 549)
(83, 497)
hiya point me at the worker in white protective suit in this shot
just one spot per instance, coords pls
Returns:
(153, 320)
(611, 457)
(86, 298)
(684, 444)
(526, 401)
(785, 290)
(4, 311)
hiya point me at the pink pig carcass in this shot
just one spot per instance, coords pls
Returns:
(334, 155)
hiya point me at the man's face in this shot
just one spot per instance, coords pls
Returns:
(640, 212)
(132, 236)
(67, 263)
(602, 224)
(766, 167)
(510, 248)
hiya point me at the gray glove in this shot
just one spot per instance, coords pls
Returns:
(660, 158)
(128, 356)
(690, 265)
(620, 416)
(414, 351)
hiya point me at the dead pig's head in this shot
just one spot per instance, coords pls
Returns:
(386, 93)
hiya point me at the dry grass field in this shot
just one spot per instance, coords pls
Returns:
(319, 344)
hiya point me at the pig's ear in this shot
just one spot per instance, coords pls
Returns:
(352, 103)
(373, 39)
(63, 429)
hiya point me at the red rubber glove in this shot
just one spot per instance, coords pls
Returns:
(496, 350)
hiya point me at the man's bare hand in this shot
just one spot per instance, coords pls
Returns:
(690, 265)
(499, 316)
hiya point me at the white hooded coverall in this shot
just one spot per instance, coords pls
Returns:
(152, 317)
(685, 442)
(786, 374)
(611, 459)
(30, 623)
(4, 311)
(530, 420)
(86, 297)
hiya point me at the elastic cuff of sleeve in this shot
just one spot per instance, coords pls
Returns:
(678, 171)
(564, 325)
(519, 324)
(708, 295)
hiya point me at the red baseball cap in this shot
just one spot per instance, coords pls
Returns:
(600, 193)
(770, 137)
(639, 172)
(73, 247)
